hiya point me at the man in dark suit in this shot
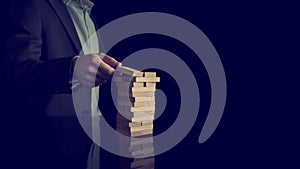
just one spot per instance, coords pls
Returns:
(41, 54)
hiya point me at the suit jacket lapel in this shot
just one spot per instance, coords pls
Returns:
(62, 12)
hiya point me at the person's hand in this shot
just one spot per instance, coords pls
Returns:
(94, 69)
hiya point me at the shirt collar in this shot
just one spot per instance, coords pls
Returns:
(84, 4)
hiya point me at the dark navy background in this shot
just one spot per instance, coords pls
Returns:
(258, 43)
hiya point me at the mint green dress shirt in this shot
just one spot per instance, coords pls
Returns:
(85, 28)
(79, 11)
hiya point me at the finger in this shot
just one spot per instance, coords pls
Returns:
(110, 61)
(89, 78)
(101, 77)
(106, 69)
(92, 70)
(96, 78)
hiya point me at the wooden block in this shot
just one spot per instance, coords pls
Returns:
(146, 154)
(141, 133)
(142, 114)
(144, 104)
(142, 94)
(121, 79)
(142, 152)
(147, 79)
(150, 112)
(136, 89)
(138, 84)
(138, 131)
(150, 74)
(141, 141)
(147, 124)
(142, 89)
(135, 124)
(140, 128)
(136, 94)
(139, 114)
(143, 99)
(143, 161)
(129, 71)
(150, 84)
(137, 100)
(143, 118)
(137, 104)
(142, 109)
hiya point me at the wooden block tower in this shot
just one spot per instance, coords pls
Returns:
(136, 105)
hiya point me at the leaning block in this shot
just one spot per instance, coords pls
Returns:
(129, 71)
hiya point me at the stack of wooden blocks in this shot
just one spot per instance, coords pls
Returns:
(136, 106)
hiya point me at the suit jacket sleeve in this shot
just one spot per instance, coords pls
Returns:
(24, 54)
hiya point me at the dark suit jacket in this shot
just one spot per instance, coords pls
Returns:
(39, 55)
